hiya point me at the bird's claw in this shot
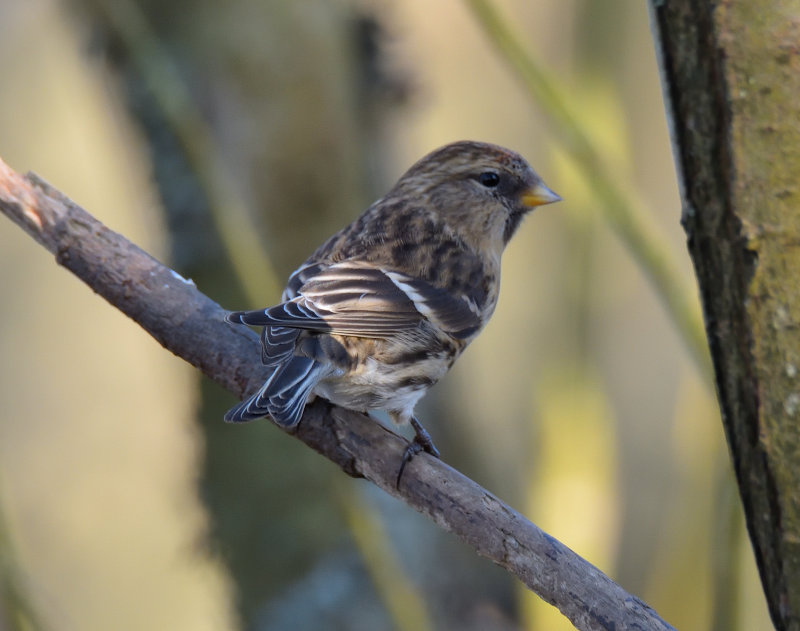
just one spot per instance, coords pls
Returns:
(421, 442)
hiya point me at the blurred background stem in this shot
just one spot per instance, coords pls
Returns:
(253, 271)
(17, 612)
(623, 212)
(168, 89)
(406, 604)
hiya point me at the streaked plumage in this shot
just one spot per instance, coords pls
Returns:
(383, 308)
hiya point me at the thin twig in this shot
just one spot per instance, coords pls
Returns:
(190, 325)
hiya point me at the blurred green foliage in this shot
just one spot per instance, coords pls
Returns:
(231, 139)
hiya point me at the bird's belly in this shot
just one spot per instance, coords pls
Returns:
(379, 386)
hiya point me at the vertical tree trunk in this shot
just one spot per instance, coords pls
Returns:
(731, 75)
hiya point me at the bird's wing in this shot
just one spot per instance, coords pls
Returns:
(356, 299)
(300, 276)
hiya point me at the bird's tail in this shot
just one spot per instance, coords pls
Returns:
(284, 395)
(277, 342)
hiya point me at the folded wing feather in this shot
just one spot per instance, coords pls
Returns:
(364, 301)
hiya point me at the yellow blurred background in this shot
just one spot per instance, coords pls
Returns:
(126, 503)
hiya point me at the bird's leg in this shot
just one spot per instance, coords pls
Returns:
(422, 442)
(423, 438)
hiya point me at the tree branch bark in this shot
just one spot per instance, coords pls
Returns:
(191, 325)
(731, 75)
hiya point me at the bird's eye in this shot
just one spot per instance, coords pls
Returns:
(489, 179)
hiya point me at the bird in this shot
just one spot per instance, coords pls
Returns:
(382, 309)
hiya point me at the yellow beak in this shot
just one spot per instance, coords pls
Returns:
(539, 195)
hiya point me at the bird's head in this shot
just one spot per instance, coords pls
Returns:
(481, 191)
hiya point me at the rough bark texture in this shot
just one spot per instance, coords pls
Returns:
(190, 325)
(731, 74)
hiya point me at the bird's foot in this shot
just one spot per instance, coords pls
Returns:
(422, 442)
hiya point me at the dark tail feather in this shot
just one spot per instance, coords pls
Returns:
(253, 407)
(290, 392)
(277, 344)
(283, 396)
(247, 317)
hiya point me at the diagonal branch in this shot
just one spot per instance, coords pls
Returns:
(190, 324)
